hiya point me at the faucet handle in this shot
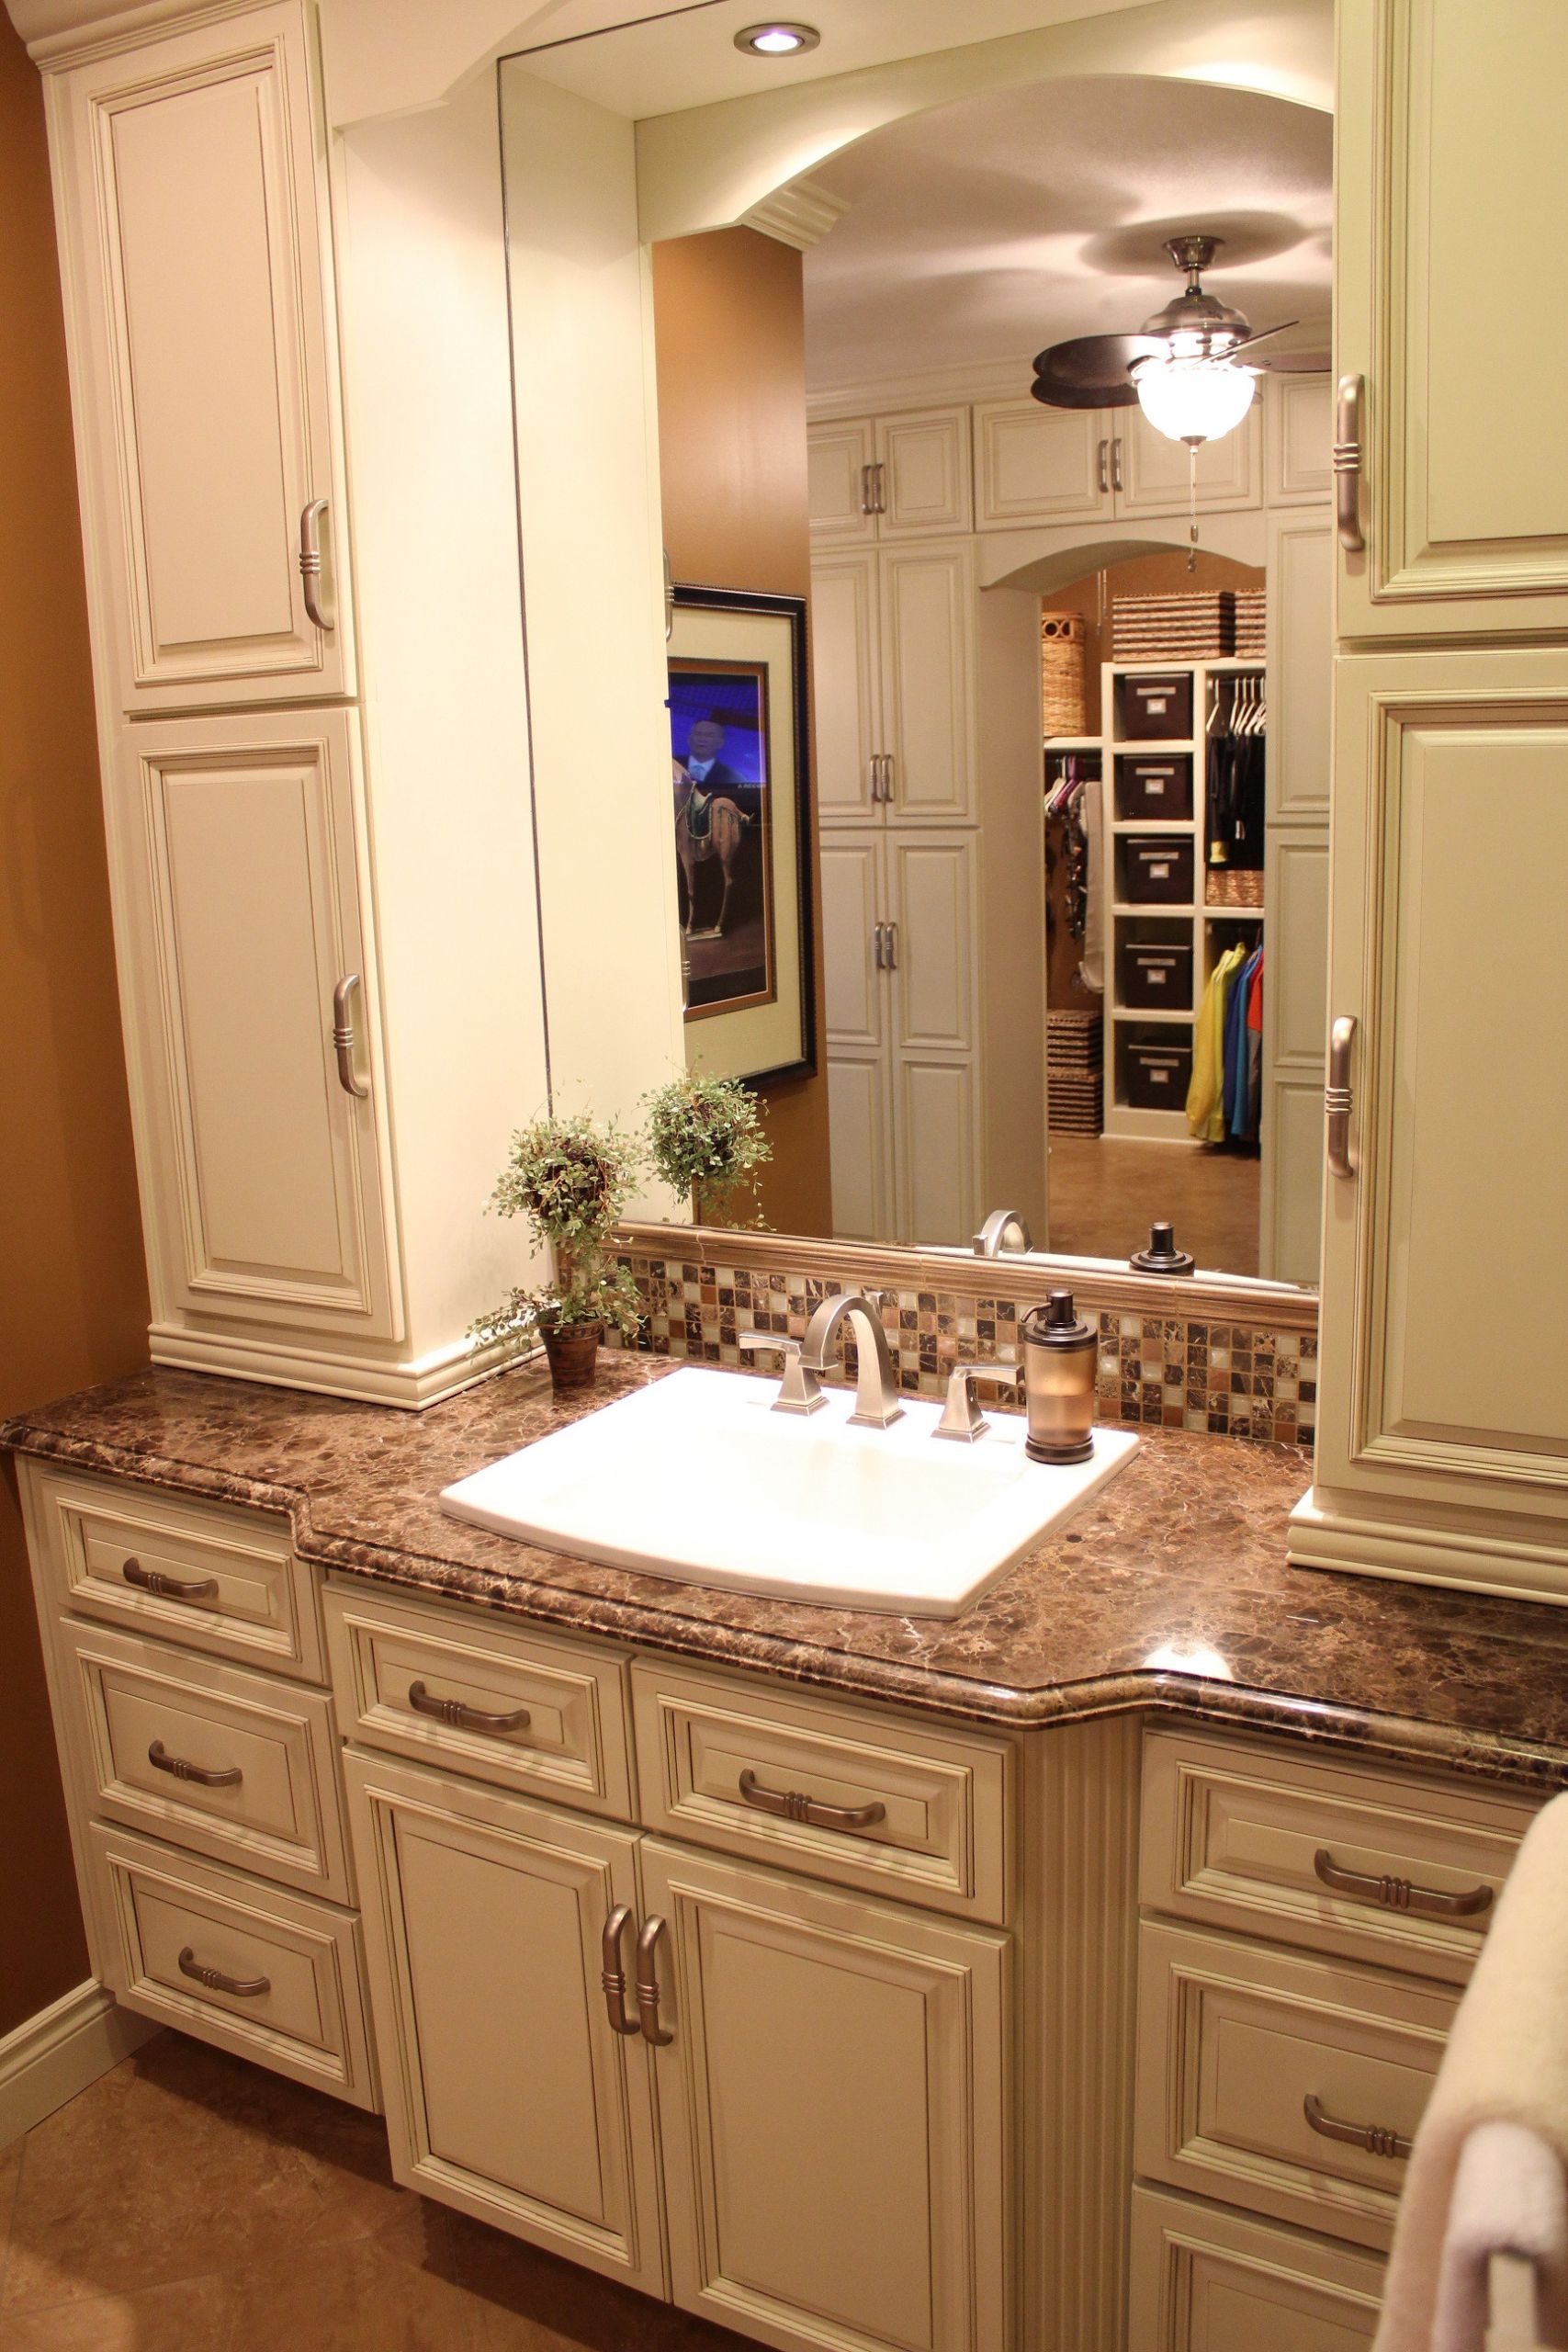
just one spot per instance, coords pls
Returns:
(961, 1417)
(800, 1391)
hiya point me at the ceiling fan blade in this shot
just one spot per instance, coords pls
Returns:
(1090, 371)
(1261, 336)
(1295, 363)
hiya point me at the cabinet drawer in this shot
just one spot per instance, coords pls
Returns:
(1409, 1875)
(301, 2006)
(1206, 2281)
(731, 1765)
(226, 1581)
(238, 1766)
(1233, 2041)
(462, 1686)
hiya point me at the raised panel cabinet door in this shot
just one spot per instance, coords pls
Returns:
(1040, 465)
(1205, 2280)
(859, 1143)
(838, 487)
(928, 680)
(1445, 1285)
(1150, 471)
(1448, 139)
(932, 901)
(1298, 439)
(833, 2109)
(847, 689)
(923, 482)
(191, 174)
(854, 944)
(936, 1148)
(508, 2093)
(239, 841)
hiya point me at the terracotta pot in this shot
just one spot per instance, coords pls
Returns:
(573, 1353)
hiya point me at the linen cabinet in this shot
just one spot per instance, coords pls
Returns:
(1442, 1453)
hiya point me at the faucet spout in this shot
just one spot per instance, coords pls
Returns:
(876, 1384)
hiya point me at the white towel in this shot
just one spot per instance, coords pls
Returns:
(1506, 2061)
(1510, 2196)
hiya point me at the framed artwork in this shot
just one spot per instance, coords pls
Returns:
(740, 808)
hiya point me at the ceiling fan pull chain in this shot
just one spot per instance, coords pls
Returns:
(1192, 506)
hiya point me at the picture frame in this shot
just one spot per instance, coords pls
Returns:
(740, 739)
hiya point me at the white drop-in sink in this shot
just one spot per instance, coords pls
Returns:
(696, 1478)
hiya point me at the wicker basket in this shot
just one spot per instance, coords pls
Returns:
(1063, 710)
(1233, 886)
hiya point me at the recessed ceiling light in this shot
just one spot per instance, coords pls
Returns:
(778, 39)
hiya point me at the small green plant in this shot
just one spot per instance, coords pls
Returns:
(706, 1138)
(571, 1178)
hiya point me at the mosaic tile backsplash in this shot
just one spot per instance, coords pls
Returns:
(1167, 1372)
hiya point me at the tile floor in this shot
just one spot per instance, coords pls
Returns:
(192, 2202)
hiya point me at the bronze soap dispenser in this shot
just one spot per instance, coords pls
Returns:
(1059, 1357)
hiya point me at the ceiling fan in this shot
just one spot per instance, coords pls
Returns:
(1181, 366)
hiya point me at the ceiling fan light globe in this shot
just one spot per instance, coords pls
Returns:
(1193, 400)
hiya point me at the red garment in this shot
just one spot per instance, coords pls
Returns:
(1254, 998)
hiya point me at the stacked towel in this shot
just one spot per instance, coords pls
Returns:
(1506, 2061)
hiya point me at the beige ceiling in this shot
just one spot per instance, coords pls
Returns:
(983, 230)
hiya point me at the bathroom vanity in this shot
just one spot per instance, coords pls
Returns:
(1067, 1973)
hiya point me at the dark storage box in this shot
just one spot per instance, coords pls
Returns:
(1156, 872)
(1158, 977)
(1158, 1077)
(1147, 785)
(1154, 707)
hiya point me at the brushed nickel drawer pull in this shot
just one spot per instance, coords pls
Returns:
(248, 1988)
(311, 561)
(792, 1807)
(1348, 464)
(1104, 477)
(464, 1717)
(1400, 1893)
(1339, 1096)
(348, 1077)
(648, 1985)
(1375, 2138)
(168, 1587)
(179, 1768)
(613, 1978)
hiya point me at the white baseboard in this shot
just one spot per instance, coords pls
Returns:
(50, 2057)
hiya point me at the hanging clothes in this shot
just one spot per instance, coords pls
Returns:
(1205, 1092)
(1255, 1052)
(1243, 1090)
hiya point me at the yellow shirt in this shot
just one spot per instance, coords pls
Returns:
(1205, 1096)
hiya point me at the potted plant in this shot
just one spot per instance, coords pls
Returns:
(704, 1137)
(571, 1178)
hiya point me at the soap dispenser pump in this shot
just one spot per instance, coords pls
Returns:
(1059, 1356)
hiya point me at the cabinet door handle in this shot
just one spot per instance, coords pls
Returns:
(207, 1776)
(888, 777)
(310, 560)
(892, 931)
(248, 1988)
(1375, 2138)
(168, 1587)
(1104, 477)
(1348, 464)
(792, 1807)
(648, 1984)
(614, 1976)
(669, 598)
(868, 489)
(1399, 1893)
(1339, 1096)
(348, 1078)
(879, 488)
(466, 1718)
(1116, 481)
(878, 959)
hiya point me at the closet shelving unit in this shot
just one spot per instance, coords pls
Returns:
(1187, 923)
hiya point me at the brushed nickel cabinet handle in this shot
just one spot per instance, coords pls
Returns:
(669, 598)
(247, 1988)
(878, 960)
(1104, 455)
(892, 930)
(348, 1078)
(310, 560)
(613, 1978)
(1400, 1893)
(1338, 1095)
(879, 488)
(168, 1587)
(1348, 464)
(1375, 2138)
(648, 1985)
(207, 1776)
(1116, 480)
(466, 1718)
(887, 778)
(792, 1807)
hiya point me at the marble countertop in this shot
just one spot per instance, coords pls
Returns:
(1170, 1590)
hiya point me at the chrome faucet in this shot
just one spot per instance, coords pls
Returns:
(1003, 1233)
(876, 1384)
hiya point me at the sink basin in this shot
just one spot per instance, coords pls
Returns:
(694, 1478)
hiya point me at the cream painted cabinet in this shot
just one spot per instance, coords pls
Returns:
(1039, 465)
(902, 477)
(1298, 439)
(1450, 159)
(1204, 2281)
(196, 265)
(846, 681)
(892, 644)
(840, 485)
(1150, 471)
(833, 2104)
(241, 839)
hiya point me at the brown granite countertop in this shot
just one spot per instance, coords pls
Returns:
(1170, 1590)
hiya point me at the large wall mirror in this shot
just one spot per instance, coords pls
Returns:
(1054, 900)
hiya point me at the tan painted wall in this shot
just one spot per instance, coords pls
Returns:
(72, 1278)
(730, 323)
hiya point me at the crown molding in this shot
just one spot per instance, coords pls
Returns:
(800, 215)
(991, 379)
